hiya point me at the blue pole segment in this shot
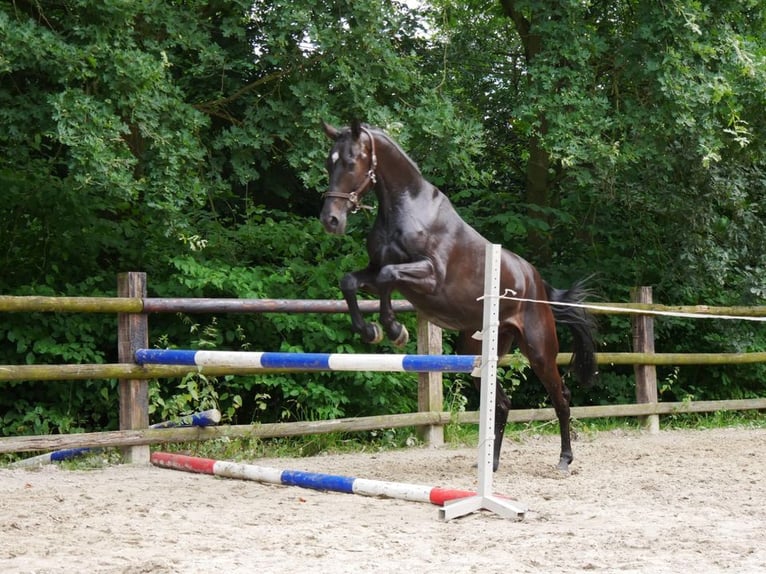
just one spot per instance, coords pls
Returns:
(205, 418)
(165, 356)
(68, 453)
(308, 361)
(444, 363)
(318, 481)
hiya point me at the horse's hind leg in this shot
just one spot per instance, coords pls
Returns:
(540, 346)
(561, 406)
(467, 345)
(560, 395)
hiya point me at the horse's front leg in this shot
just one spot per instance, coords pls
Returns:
(395, 331)
(349, 286)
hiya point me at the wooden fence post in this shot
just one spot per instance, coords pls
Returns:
(646, 375)
(430, 390)
(133, 334)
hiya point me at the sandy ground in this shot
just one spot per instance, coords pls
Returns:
(677, 502)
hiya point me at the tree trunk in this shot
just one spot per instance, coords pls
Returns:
(538, 167)
(538, 197)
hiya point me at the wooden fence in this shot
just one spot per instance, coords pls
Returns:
(133, 307)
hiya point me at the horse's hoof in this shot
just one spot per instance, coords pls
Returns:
(403, 338)
(377, 334)
(563, 467)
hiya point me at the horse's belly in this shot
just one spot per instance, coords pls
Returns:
(446, 314)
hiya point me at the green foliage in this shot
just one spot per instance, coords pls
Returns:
(309, 262)
(57, 406)
(194, 393)
(647, 121)
(182, 139)
(718, 419)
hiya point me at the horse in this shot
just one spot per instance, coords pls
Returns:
(421, 247)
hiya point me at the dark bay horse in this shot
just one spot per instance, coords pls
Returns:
(421, 247)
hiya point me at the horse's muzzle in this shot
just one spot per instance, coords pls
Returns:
(333, 223)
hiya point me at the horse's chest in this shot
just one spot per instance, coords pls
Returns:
(395, 245)
(392, 253)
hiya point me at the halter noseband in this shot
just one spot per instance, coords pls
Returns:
(355, 196)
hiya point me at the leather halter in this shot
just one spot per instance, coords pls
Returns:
(354, 197)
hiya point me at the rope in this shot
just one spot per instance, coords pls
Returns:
(688, 315)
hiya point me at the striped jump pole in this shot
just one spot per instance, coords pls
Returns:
(317, 481)
(210, 417)
(206, 418)
(55, 456)
(310, 361)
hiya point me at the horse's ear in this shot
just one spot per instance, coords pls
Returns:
(356, 129)
(330, 131)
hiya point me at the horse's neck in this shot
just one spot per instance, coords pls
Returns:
(400, 183)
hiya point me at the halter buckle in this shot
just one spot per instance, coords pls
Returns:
(353, 197)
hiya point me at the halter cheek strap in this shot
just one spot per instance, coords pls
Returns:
(355, 196)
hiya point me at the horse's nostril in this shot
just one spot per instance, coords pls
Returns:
(335, 224)
(330, 222)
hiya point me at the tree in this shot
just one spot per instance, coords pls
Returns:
(100, 147)
(184, 139)
(616, 110)
(638, 133)
(620, 137)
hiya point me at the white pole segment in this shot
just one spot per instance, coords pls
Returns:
(402, 491)
(228, 358)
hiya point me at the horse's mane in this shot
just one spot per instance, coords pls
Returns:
(384, 135)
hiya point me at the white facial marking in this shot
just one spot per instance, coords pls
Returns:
(335, 157)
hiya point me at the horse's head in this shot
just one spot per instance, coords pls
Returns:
(351, 166)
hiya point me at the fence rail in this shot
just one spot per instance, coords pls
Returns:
(137, 437)
(24, 304)
(27, 304)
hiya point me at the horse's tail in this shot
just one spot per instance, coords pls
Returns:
(581, 324)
